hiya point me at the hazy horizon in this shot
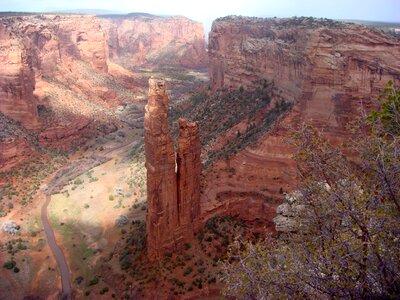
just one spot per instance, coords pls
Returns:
(207, 10)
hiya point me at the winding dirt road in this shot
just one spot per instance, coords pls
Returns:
(58, 253)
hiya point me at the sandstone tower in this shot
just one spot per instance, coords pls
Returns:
(173, 184)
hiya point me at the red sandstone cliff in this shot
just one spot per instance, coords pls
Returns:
(15, 143)
(173, 198)
(326, 68)
(35, 46)
(17, 79)
(188, 172)
(156, 40)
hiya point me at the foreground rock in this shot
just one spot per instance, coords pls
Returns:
(287, 212)
(173, 197)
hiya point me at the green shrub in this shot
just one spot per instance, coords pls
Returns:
(188, 270)
(9, 264)
(103, 290)
(21, 246)
(94, 281)
(78, 181)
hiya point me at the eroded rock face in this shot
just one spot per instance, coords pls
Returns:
(33, 46)
(15, 143)
(173, 201)
(17, 80)
(157, 40)
(189, 171)
(162, 211)
(56, 78)
(325, 68)
(328, 68)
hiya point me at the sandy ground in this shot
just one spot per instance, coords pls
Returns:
(83, 219)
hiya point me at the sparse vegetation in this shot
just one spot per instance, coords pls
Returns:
(10, 264)
(346, 235)
(243, 105)
(23, 183)
(78, 181)
(94, 281)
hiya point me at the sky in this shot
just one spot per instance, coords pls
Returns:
(207, 10)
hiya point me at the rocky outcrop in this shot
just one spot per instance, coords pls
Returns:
(15, 143)
(162, 211)
(173, 200)
(285, 220)
(325, 68)
(12, 152)
(153, 40)
(188, 172)
(34, 46)
(17, 80)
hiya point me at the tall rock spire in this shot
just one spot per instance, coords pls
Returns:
(173, 196)
(189, 171)
(162, 212)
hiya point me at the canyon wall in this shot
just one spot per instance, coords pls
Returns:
(327, 69)
(34, 46)
(173, 198)
(154, 40)
(17, 79)
(15, 143)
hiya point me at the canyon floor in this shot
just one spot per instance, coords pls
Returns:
(98, 194)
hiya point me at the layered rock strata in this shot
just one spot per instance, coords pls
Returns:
(34, 46)
(146, 39)
(327, 69)
(188, 172)
(173, 196)
(17, 80)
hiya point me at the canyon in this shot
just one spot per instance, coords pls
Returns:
(328, 70)
(142, 201)
(63, 81)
